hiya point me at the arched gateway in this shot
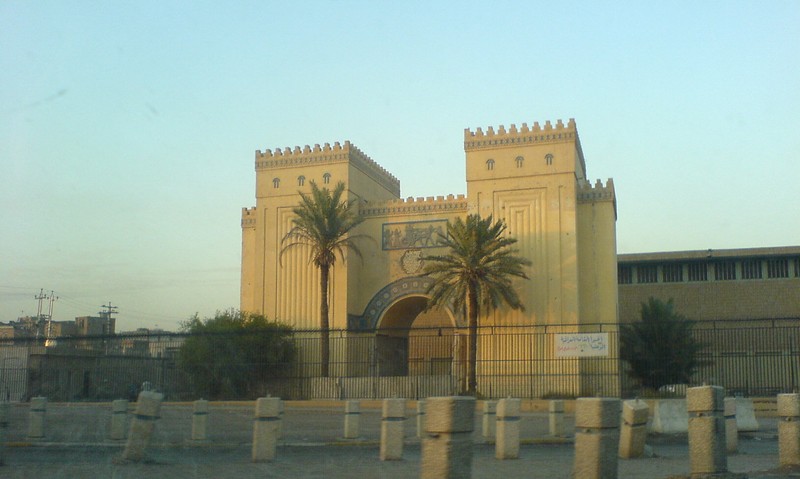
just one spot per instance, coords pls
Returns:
(533, 178)
(409, 340)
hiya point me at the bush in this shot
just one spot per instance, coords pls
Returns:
(233, 354)
(660, 348)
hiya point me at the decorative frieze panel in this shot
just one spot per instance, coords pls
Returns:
(413, 234)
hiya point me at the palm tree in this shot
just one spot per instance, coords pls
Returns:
(323, 221)
(475, 274)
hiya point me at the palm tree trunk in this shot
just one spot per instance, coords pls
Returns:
(324, 324)
(472, 358)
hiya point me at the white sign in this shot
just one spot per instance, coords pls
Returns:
(581, 345)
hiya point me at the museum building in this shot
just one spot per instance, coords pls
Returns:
(533, 178)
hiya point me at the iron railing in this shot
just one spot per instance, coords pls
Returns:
(750, 358)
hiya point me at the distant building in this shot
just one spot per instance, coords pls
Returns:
(95, 325)
(7, 331)
(57, 329)
(732, 284)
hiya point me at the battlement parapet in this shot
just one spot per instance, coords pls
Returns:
(411, 205)
(599, 192)
(249, 217)
(286, 158)
(478, 139)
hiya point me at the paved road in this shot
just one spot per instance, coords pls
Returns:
(76, 447)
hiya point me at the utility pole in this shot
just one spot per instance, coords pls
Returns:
(40, 297)
(52, 299)
(109, 310)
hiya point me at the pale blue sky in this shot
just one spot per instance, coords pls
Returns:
(128, 129)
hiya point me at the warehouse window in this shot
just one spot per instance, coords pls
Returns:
(624, 274)
(778, 268)
(672, 273)
(698, 272)
(647, 274)
(725, 270)
(751, 269)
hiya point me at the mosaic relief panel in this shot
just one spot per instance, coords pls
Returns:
(414, 234)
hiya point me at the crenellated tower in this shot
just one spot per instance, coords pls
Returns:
(534, 178)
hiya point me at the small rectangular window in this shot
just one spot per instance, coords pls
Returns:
(778, 268)
(647, 274)
(725, 270)
(751, 269)
(624, 274)
(672, 273)
(698, 272)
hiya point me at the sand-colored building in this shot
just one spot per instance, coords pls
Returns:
(729, 285)
(534, 178)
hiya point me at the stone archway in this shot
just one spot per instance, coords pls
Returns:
(411, 342)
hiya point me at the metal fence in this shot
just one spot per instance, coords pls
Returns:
(750, 358)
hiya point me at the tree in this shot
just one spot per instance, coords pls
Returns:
(231, 355)
(324, 222)
(475, 274)
(660, 349)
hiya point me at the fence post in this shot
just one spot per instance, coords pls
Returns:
(200, 420)
(556, 417)
(596, 438)
(37, 415)
(789, 429)
(421, 418)
(265, 429)
(489, 420)
(731, 429)
(394, 415)
(507, 429)
(633, 433)
(447, 445)
(352, 416)
(705, 405)
(148, 407)
(119, 419)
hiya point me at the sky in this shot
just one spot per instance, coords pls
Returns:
(128, 129)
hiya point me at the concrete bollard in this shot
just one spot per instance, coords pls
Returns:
(507, 429)
(392, 421)
(5, 414)
(36, 422)
(731, 428)
(746, 415)
(489, 420)
(119, 419)
(670, 416)
(556, 417)
(352, 416)
(265, 429)
(596, 438)
(421, 418)
(148, 407)
(281, 410)
(789, 429)
(447, 445)
(200, 420)
(705, 406)
(633, 433)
